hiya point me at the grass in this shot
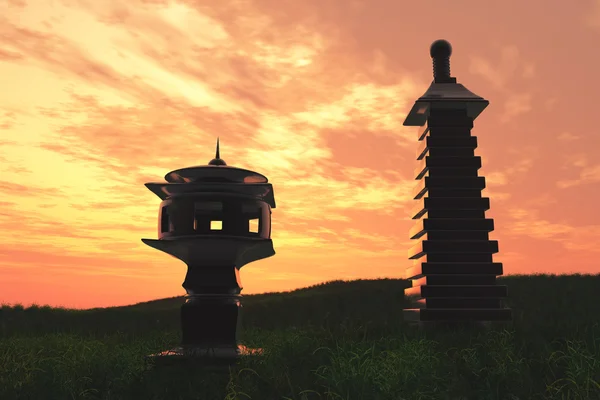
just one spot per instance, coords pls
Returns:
(339, 340)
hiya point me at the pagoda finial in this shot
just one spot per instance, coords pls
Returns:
(440, 51)
(217, 160)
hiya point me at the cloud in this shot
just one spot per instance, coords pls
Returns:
(7, 55)
(503, 76)
(7, 119)
(577, 160)
(154, 90)
(568, 137)
(591, 17)
(496, 178)
(312, 94)
(17, 3)
(500, 74)
(579, 163)
(527, 222)
(521, 162)
(515, 105)
(525, 159)
(587, 175)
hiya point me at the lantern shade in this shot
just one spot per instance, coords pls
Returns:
(214, 173)
(262, 191)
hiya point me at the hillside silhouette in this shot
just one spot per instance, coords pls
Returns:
(330, 340)
(559, 302)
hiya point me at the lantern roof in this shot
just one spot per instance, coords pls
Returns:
(215, 177)
(216, 170)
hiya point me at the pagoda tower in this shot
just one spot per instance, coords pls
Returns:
(216, 219)
(453, 274)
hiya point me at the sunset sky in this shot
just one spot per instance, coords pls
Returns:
(98, 97)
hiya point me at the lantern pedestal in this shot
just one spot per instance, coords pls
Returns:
(210, 321)
(210, 327)
(211, 314)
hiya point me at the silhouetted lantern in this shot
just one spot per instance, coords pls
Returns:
(453, 276)
(216, 219)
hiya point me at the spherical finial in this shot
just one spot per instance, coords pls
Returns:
(440, 52)
(440, 49)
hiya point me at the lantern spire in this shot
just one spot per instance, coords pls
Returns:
(217, 160)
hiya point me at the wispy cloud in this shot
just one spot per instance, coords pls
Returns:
(312, 94)
(504, 76)
(587, 175)
(568, 137)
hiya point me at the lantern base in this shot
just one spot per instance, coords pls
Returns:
(219, 358)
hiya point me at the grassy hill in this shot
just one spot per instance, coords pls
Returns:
(337, 340)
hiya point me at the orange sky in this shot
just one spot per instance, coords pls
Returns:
(98, 97)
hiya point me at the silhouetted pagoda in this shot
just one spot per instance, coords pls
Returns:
(215, 218)
(453, 275)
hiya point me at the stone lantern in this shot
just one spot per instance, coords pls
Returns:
(216, 219)
(453, 275)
